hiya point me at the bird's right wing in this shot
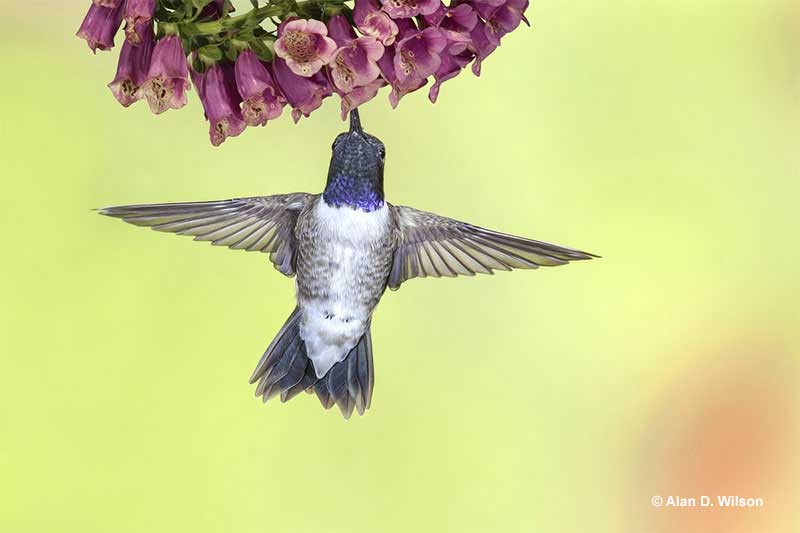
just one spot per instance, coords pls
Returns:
(259, 224)
(433, 245)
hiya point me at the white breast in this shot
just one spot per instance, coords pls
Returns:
(332, 326)
(352, 225)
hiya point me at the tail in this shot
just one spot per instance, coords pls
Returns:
(285, 370)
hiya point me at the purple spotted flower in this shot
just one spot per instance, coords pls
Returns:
(372, 21)
(305, 46)
(168, 76)
(403, 9)
(456, 24)
(133, 66)
(137, 13)
(340, 30)
(389, 73)
(262, 99)
(304, 94)
(419, 55)
(354, 70)
(502, 19)
(360, 95)
(489, 3)
(355, 62)
(100, 25)
(217, 89)
(480, 46)
(461, 18)
(354, 53)
(451, 66)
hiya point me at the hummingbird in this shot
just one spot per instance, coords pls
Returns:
(345, 247)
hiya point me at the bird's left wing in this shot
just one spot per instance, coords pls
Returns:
(259, 224)
(433, 245)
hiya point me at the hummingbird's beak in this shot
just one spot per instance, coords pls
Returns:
(355, 122)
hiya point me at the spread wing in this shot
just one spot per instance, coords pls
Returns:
(432, 245)
(259, 224)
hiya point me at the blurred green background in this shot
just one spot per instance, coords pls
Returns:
(662, 135)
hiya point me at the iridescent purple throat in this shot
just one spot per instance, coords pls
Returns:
(358, 193)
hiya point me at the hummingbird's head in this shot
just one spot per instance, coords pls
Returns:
(355, 176)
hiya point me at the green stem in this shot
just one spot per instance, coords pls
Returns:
(255, 16)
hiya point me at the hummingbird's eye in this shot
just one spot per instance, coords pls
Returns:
(382, 152)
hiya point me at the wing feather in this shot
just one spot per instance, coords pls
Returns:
(262, 223)
(436, 246)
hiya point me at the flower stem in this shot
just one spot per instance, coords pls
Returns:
(252, 18)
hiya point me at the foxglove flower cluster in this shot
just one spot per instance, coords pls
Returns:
(246, 67)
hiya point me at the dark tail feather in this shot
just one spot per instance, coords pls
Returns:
(284, 363)
(286, 370)
(305, 384)
(349, 383)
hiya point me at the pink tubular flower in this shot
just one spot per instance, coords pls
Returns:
(399, 88)
(340, 30)
(246, 74)
(372, 21)
(137, 12)
(451, 66)
(100, 25)
(217, 90)
(354, 70)
(418, 55)
(480, 46)
(304, 94)
(405, 28)
(456, 24)
(262, 99)
(403, 9)
(133, 66)
(502, 19)
(360, 95)
(356, 63)
(168, 76)
(489, 4)
(305, 46)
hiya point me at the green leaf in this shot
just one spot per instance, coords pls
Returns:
(245, 35)
(231, 53)
(188, 30)
(210, 53)
(263, 51)
(197, 65)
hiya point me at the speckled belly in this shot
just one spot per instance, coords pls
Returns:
(343, 263)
